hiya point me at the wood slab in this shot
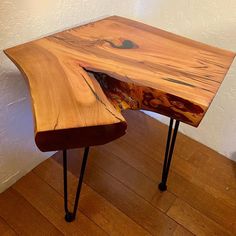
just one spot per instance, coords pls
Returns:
(82, 78)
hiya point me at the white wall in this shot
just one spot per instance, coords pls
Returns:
(21, 21)
(212, 22)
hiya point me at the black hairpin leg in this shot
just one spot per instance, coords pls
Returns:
(170, 144)
(70, 216)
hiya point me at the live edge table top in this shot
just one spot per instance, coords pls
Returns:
(80, 79)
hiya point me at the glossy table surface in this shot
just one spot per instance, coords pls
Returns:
(82, 78)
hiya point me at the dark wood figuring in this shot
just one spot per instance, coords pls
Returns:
(80, 79)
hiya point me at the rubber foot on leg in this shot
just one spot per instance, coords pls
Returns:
(69, 217)
(162, 187)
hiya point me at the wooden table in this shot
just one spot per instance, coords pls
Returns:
(82, 78)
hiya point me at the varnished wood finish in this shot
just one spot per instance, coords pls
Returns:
(23, 217)
(93, 205)
(135, 161)
(5, 229)
(120, 196)
(67, 111)
(196, 221)
(50, 204)
(80, 79)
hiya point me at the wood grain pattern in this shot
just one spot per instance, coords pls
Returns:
(93, 205)
(80, 79)
(67, 113)
(134, 206)
(142, 164)
(26, 219)
(50, 204)
(201, 187)
(5, 229)
(180, 231)
(197, 223)
(205, 204)
(132, 178)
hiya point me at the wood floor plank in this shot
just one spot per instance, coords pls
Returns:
(131, 177)
(133, 153)
(181, 231)
(135, 207)
(136, 148)
(22, 217)
(112, 220)
(109, 218)
(120, 195)
(185, 180)
(50, 204)
(213, 164)
(136, 158)
(213, 203)
(156, 222)
(222, 185)
(5, 229)
(218, 186)
(150, 138)
(212, 207)
(195, 222)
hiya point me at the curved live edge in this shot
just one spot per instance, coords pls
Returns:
(82, 78)
(70, 109)
(125, 95)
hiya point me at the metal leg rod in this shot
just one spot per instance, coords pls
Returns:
(170, 144)
(70, 216)
(65, 180)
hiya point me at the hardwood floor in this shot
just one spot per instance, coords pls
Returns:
(120, 195)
